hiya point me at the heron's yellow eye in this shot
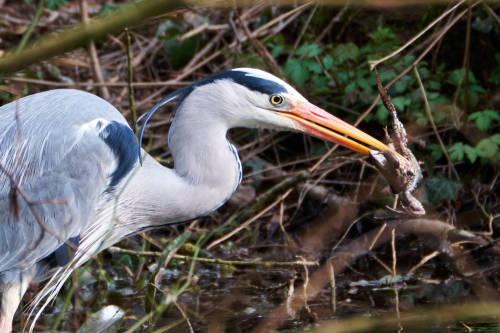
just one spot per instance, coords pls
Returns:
(276, 99)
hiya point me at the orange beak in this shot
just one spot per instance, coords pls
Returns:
(317, 122)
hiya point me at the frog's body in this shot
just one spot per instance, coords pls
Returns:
(403, 174)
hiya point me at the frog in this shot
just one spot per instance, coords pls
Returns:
(399, 166)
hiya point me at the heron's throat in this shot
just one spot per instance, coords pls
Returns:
(207, 168)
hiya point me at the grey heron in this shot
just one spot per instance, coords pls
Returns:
(77, 163)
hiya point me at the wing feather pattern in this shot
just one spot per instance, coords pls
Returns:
(72, 146)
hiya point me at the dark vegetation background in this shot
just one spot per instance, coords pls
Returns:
(449, 257)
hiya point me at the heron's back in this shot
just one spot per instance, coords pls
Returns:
(55, 154)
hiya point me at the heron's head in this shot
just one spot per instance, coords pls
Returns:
(246, 97)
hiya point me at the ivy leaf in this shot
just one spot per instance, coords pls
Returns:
(441, 188)
(457, 152)
(344, 52)
(484, 118)
(471, 153)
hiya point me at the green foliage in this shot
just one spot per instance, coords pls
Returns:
(484, 118)
(459, 150)
(340, 72)
(344, 52)
(457, 78)
(308, 67)
(436, 151)
(382, 40)
(487, 149)
(178, 52)
(441, 188)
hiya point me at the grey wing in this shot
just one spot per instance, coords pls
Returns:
(67, 149)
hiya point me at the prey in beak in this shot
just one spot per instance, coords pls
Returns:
(317, 122)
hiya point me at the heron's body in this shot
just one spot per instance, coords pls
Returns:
(76, 160)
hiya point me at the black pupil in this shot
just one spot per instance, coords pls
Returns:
(276, 99)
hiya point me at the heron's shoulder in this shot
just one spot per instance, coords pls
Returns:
(123, 143)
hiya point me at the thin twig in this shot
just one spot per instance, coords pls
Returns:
(333, 295)
(491, 12)
(130, 78)
(249, 221)
(218, 261)
(374, 63)
(422, 262)
(94, 58)
(330, 24)
(466, 60)
(433, 124)
(393, 251)
(304, 27)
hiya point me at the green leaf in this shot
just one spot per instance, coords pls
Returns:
(351, 86)
(471, 153)
(382, 114)
(313, 66)
(383, 35)
(328, 62)
(178, 53)
(344, 52)
(320, 84)
(457, 152)
(434, 85)
(495, 138)
(441, 188)
(309, 50)
(436, 151)
(401, 85)
(277, 50)
(295, 69)
(484, 118)
(401, 102)
(424, 72)
(422, 119)
(457, 77)
(487, 148)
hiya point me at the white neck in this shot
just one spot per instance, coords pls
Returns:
(207, 172)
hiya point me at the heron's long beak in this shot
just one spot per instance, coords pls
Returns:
(321, 124)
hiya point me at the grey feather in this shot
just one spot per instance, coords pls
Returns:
(50, 166)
